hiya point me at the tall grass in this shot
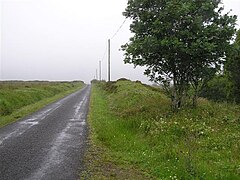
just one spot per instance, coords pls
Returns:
(137, 126)
(15, 95)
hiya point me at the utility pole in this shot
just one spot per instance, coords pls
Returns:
(96, 75)
(109, 68)
(100, 70)
(1, 15)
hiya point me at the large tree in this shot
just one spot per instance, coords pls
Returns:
(180, 42)
(233, 68)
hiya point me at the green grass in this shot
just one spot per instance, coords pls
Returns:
(18, 99)
(134, 127)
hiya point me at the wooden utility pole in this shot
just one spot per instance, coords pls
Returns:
(100, 70)
(96, 75)
(109, 68)
(1, 15)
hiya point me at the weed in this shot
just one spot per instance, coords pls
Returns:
(136, 126)
(21, 98)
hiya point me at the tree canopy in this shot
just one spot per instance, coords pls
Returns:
(233, 68)
(180, 42)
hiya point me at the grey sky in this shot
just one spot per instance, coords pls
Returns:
(65, 39)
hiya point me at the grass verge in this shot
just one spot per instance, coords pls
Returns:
(134, 135)
(101, 162)
(18, 99)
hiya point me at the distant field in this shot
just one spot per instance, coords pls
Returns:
(134, 135)
(18, 98)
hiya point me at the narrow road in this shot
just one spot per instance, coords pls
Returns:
(49, 144)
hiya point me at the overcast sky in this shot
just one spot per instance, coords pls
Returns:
(65, 39)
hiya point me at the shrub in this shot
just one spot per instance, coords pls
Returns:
(217, 89)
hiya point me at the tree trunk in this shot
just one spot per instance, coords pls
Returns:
(195, 95)
(176, 99)
(194, 100)
(175, 104)
(179, 92)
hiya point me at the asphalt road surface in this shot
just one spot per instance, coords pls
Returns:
(49, 144)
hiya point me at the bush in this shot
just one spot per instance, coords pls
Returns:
(218, 89)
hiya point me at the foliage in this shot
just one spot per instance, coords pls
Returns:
(200, 143)
(217, 89)
(179, 42)
(233, 68)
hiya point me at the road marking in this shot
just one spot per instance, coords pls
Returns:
(25, 125)
(56, 154)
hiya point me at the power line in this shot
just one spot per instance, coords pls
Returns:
(105, 52)
(119, 28)
(107, 49)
